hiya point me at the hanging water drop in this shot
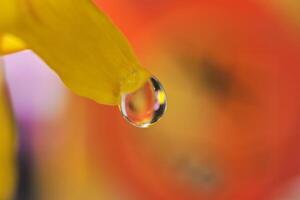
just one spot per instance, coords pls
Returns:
(145, 106)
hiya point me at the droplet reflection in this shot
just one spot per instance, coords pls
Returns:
(145, 106)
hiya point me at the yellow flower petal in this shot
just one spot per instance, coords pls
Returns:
(10, 44)
(79, 43)
(7, 147)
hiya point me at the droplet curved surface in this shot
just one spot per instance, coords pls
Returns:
(145, 106)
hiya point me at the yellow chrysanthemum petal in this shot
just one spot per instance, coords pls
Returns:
(7, 147)
(11, 44)
(79, 43)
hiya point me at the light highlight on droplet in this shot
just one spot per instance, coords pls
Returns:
(145, 106)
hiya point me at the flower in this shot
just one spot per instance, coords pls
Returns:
(78, 42)
(231, 71)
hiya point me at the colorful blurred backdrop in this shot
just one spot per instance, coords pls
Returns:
(231, 132)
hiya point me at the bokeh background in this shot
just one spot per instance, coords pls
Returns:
(231, 72)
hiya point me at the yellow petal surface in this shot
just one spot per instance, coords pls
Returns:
(79, 43)
(7, 147)
(10, 44)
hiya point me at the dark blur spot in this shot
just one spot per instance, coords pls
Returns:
(216, 79)
(25, 187)
(132, 106)
(201, 175)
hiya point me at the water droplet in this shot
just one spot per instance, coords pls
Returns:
(145, 106)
